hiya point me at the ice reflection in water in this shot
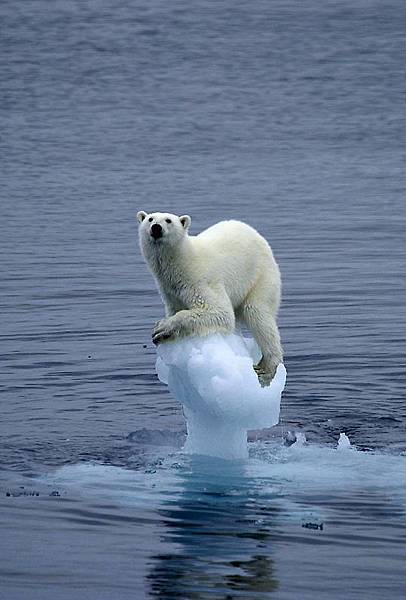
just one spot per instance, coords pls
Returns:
(218, 534)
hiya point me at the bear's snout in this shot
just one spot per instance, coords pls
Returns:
(156, 231)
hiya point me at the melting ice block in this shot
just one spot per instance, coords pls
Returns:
(214, 380)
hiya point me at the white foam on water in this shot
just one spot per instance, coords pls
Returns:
(214, 380)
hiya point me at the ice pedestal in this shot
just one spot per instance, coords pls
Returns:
(213, 379)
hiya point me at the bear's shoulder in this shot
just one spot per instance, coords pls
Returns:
(231, 231)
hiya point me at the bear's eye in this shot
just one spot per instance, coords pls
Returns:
(168, 220)
(150, 219)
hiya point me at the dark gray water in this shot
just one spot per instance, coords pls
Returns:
(289, 115)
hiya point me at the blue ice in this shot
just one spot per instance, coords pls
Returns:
(214, 380)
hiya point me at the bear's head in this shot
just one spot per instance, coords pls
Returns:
(162, 228)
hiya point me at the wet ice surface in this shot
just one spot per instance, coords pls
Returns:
(287, 115)
(214, 380)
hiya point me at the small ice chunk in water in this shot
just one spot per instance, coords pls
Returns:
(343, 442)
(300, 439)
(214, 380)
(290, 438)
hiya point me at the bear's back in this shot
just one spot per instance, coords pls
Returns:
(232, 237)
(234, 253)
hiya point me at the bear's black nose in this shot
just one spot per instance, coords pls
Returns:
(156, 231)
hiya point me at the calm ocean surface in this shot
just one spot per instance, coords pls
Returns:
(291, 116)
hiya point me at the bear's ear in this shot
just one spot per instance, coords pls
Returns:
(141, 215)
(185, 221)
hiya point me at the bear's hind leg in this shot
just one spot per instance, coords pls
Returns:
(260, 319)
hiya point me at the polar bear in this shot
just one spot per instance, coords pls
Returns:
(225, 274)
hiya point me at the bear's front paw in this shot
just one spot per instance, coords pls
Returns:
(163, 330)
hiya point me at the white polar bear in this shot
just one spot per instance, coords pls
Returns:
(208, 281)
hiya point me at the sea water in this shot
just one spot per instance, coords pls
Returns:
(287, 115)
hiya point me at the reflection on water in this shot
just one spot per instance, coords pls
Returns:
(218, 539)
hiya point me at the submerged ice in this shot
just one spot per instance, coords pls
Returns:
(294, 478)
(214, 380)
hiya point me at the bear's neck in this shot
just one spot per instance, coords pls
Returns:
(164, 259)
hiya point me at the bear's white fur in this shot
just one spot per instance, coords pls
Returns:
(208, 281)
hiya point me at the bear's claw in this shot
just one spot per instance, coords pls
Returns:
(264, 376)
(162, 331)
(160, 337)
